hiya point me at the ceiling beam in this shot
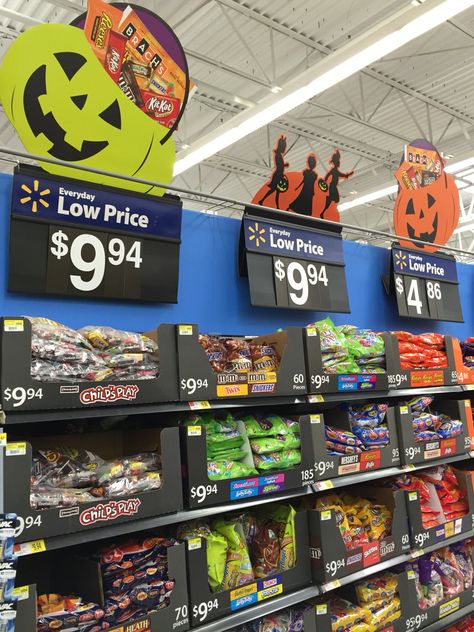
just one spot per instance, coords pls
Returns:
(371, 72)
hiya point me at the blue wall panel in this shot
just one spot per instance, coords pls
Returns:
(212, 294)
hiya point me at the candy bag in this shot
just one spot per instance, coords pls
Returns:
(238, 568)
(218, 470)
(268, 426)
(239, 358)
(382, 586)
(277, 460)
(274, 444)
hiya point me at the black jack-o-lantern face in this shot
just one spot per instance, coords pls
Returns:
(428, 213)
(64, 105)
(41, 123)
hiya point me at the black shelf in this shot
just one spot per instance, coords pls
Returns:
(443, 623)
(123, 528)
(26, 417)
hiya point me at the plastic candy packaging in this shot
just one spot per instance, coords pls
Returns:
(277, 460)
(215, 351)
(239, 358)
(218, 470)
(373, 436)
(274, 444)
(342, 448)
(268, 426)
(382, 586)
(238, 569)
(117, 341)
(344, 614)
(341, 436)
(264, 358)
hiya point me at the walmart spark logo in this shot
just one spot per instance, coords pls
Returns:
(400, 260)
(257, 234)
(35, 196)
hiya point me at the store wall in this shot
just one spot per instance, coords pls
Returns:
(212, 294)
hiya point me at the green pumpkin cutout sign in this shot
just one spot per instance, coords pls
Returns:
(63, 105)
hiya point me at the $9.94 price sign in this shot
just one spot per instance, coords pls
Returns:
(292, 264)
(87, 241)
(426, 286)
(84, 258)
(299, 283)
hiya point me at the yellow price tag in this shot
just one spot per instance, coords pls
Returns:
(16, 449)
(21, 592)
(403, 410)
(194, 543)
(30, 548)
(320, 485)
(315, 419)
(331, 585)
(311, 331)
(194, 431)
(13, 325)
(3, 439)
(416, 553)
(321, 608)
(315, 399)
(185, 330)
(199, 405)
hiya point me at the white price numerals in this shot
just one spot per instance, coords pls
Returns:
(333, 566)
(300, 278)
(204, 608)
(433, 290)
(116, 255)
(421, 538)
(414, 623)
(318, 380)
(397, 379)
(202, 491)
(323, 466)
(27, 523)
(411, 452)
(20, 395)
(191, 385)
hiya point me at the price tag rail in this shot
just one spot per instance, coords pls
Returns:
(299, 403)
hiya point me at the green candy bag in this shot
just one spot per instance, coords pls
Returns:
(238, 567)
(275, 444)
(219, 470)
(271, 425)
(233, 454)
(217, 551)
(277, 460)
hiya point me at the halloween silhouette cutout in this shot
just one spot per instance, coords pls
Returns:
(303, 203)
(278, 182)
(332, 178)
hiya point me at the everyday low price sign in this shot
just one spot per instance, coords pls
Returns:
(426, 285)
(293, 265)
(92, 241)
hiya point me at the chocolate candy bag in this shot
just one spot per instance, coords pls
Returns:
(239, 357)
(118, 341)
(265, 548)
(215, 351)
(264, 358)
(283, 517)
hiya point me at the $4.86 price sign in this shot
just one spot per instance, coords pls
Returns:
(425, 298)
(426, 285)
(90, 271)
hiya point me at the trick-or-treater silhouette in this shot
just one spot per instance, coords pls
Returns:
(303, 203)
(332, 178)
(277, 180)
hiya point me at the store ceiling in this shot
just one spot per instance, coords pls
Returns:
(239, 50)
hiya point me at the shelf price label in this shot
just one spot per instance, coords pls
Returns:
(85, 241)
(292, 264)
(426, 285)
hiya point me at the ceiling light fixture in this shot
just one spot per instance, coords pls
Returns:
(404, 26)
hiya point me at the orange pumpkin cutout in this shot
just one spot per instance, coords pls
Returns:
(429, 213)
